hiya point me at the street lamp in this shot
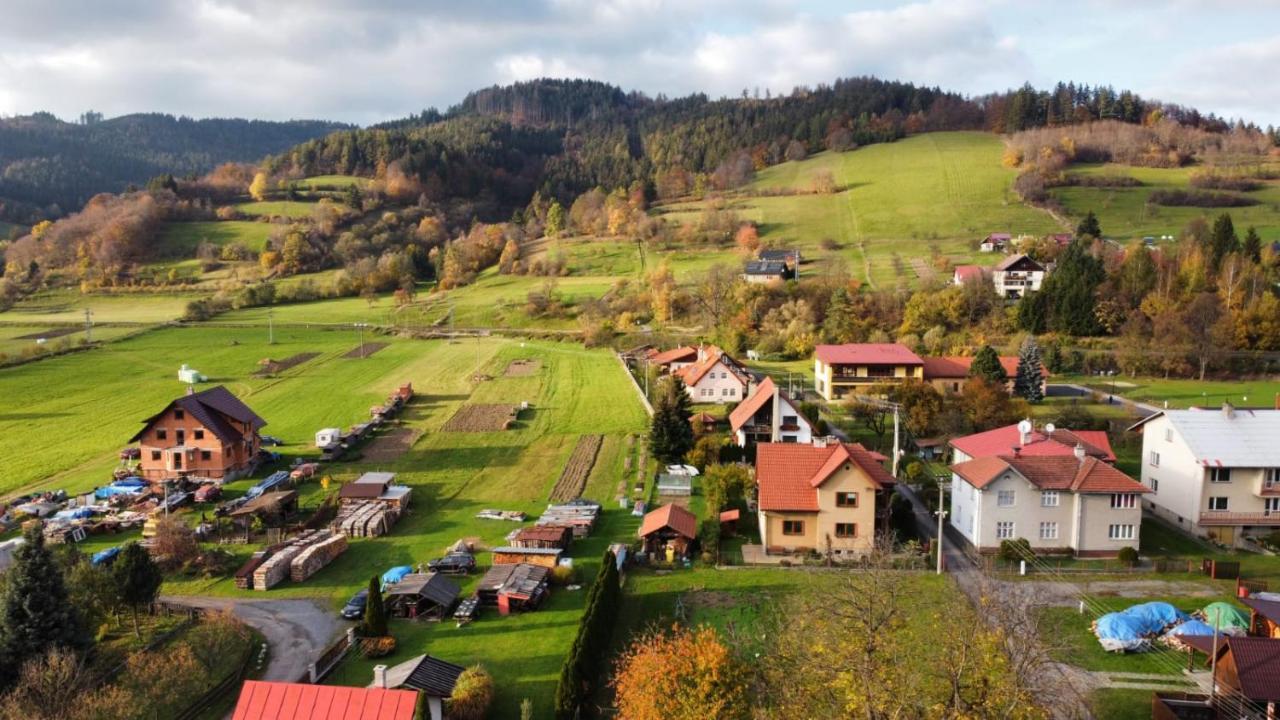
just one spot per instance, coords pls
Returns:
(360, 326)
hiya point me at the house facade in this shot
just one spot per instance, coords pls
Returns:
(823, 496)
(208, 434)
(1214, 473)
(768, 415)
(841, 369)
(995, 242)
(673, 359)
(1016, 276)
(715, 377)
(967, 274)
(766, 271)
(951, 373)
(1073, 504)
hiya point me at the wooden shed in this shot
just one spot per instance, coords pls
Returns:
(272, 506)
(422, 595)
(513, 588)
(1265, 617)
(546, 557)
(543, 536)
(669, 532)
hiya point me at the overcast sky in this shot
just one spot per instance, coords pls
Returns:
(370, 60)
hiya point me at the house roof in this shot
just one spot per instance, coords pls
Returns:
(268, 501)
(1240, 438)
(968, 272)
(1050, 472)
(520, 578)
(260, 700)
(1002, 440)
(210, 407)
(867, 354)
(433, 586)
(1003, 236)
(680, 354)
(1257, 663)
(376, 478)
(1269, 609)
(542, 533)
(956, 366)
(704, 417)
(429, 675)
(783, 255)
(527, 551)
(748, 408)
(360, 490)
(730, 515)
(670, 516)
(1018, 259)
(765, 267)
(712, 356)
(789, 474)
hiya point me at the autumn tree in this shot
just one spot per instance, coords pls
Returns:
(1206, 329)
(60, 685)
(922, 405)
(259, 187)
(175, 542)
(184, 679)
(510, 258)
(681, 674)
(555, 220)
(987, 405)
(747, 238)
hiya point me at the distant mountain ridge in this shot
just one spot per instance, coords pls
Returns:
(48, 166)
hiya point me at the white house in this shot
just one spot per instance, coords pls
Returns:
(715, 377)
(1074, 504)
(1017, 275)
(768, 415)
(968, 273)
(1214, 472)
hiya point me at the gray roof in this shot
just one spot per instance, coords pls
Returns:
(1239, 438)
(527, 551)
(433, 586)
(433, 676)
(766, 267)
(376, 478)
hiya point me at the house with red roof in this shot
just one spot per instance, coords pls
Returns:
(1026, 439)
(823, 496)
(768, 415)
(668, 532)
(968, 273)
(996, 242)
(951, 373)
(261, 700)
(1070, 504)
(715, 377)
(1017, 275)
(673, 359)
(841, 369)
(203, 434)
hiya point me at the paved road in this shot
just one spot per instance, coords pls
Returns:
(1071, 389)
(297, 631)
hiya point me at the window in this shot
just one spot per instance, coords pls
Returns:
(788, 438)
(1155, 485)
(1004, 498)
(1153, 459)
(790, 420)
(1218, 503)
(162, 434)
(155, 454)
(1219, 475)
(1119, 532)
(177, 461)
(206, 455)
(1048, 531)
(1004, 530)
(199, 434)
(181, 437)
(1049, 498)
(846, 530)
(178, 414)
(792, 527)
(1271, 506)
(846, 499)
(1271, 477)
(1124, 501)
(1168, 434)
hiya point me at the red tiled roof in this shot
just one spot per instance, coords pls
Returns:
(1051, 472)
(748, 408)
(867, 354)
(692, 374)
(968, 272)
(296, 701)
(730, 515)
(674, 355)
(1002, 440)
(670, 516)
(788, 474)
(956, 366)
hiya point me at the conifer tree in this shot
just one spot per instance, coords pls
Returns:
(670, 434)
(986, 365)
(1222, 240)
(138, 579)
(1252, 244)
(1026, 384)
(1070, 291)
(375, 612)
(35, 614)
(1089, 227)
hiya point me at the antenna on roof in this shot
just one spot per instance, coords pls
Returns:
(1049, 428)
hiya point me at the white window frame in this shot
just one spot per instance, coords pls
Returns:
(1153, 458)
(1168, 434)
(1002, 494)
(1124, 501)
(1049, 498)
(1005, 530)
(1048, 530)
(1215, 474)
(1271, 505)
(1120, 532)
(1226, 503)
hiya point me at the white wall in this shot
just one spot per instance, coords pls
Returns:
(718, 381)
(1178, 479)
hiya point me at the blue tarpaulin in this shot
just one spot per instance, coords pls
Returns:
(1119, 631)
(1158, 612)
(1192, 627)
(73, 514)
(395, 575)
(271, 481)
(103, 556)
(131, 481)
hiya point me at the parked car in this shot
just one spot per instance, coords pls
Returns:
(354, 609)
(271, 440)
(455, 563)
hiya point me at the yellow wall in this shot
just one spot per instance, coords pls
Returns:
(822, 524)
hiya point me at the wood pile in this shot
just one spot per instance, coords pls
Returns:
(314, 557)
(369, 518)
(580, 516)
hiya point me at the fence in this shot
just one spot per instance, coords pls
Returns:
(329, 659)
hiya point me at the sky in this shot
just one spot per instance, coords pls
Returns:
(367, 61)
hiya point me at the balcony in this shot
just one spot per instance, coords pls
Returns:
(1213, 518)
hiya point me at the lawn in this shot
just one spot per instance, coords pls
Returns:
(333, 182)
(1182, 393)
(180, 239)
(1125, 213)
(276, 208)
(68, 305)
(1121, 704)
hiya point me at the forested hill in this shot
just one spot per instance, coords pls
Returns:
(45, 162)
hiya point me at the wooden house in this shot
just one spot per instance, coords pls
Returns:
(1264, 617)
(207, 434)
(514, 588)
(378, 486)
(543, 536)
(546, 557)
(422, 595)
(272, 507)
(669, 532)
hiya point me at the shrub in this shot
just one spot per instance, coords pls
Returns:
(1199, 198)
(472, 695)
(1213, 181)
(1016, 549)
(1128, 556)
(563, 574)
(580, 673)
(376, 647)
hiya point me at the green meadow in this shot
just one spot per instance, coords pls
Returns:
(276, 208)
(180, 239)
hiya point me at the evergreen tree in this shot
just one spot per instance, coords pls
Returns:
(1089, 227)
(375, 612)
(986, 365)
(138, 579)
(1252, 245)
(670, 433)
(1071, 291)
(1032, 312)
(353, 197)
(1026, 384)
(840, 323)
(35, 614)
(555, 220)
(1222, 240)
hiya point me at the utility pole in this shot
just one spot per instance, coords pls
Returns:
(360, 328)
(271, 328)
(88, 325)
(941, 514)
(897, 452)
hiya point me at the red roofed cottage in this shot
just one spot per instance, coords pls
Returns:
(839, 369)
(299, 701)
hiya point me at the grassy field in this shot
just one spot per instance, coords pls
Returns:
(1125, 212)
(276, 208)
(1183, 393)
(1120, 704)
(333, 182)
(180, 239)
(941, 189)
(68, 306)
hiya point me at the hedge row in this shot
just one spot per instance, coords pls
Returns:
(580, 674)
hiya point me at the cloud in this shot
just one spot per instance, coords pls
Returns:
(1235, 80)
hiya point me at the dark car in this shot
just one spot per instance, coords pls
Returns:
(354, 609)
(271, 440)
(455, 563)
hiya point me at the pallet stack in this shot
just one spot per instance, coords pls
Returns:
(316, 556)
(365, 519)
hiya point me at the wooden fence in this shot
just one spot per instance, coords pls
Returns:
(329, 659)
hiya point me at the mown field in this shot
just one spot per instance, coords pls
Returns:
(276, 208)
(938, 189)
(180, 239)
(1125, 213)
(1183, 393)
(67, 305)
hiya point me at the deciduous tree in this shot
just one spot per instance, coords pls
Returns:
(138, 579)
(682, 674)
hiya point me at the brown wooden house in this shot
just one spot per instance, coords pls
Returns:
(543, 536)
(669, 532)
(546, 557)
(513, 588)
(1264, 617)
(202, 434)
(425, 595)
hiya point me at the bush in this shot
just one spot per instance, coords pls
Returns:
(1199, 198)
(1128, 556)
(376, 647)
(1016, 549)
(563, 574)
(472, 695)
(709, 536)
(1213, 181)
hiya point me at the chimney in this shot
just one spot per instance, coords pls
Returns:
(380, 676)
(1017, 451)
(1079, 452)
(820, 441)
(1228, 410)
(775, 432)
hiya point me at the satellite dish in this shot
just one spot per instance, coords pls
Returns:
(1024, 426)
(1049, 428)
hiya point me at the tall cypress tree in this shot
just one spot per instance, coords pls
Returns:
(1222, 239)
(1089, 227)
(375, 612)
(670, 433)
(35, 613)
(1026, 384)
(986, 365)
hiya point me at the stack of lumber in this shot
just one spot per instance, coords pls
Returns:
(580, 517)
(365, 519)
(244, 576)
(276, 569)
(316, 556)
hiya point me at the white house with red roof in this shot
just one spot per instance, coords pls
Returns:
(715, 377)
(673, 359)
(841, 369)
(968, 273)
(1073, 504)
(823, 496)
(768, 415)
(1017, 275)
(1026, 439)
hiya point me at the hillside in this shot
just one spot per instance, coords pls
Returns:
(46, 162)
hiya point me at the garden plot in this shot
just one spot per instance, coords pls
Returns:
(271, 367)
(49, 334)
(364, 351)
(390, 445)
(574, 477)
(482, 418)
(523, 368)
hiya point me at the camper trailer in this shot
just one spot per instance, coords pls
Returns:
(328, 437)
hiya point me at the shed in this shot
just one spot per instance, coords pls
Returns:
(272, 505)
(543, 536)
(704, 422)
(546, 557)
(669, 531)
(432, 677)
(422, 595)
(513, 588)
(729, 521)
(1264, 618)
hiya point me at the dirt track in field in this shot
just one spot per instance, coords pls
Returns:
(368, 349)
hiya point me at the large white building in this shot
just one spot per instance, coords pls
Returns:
(1214, 473)
(1016, 276)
